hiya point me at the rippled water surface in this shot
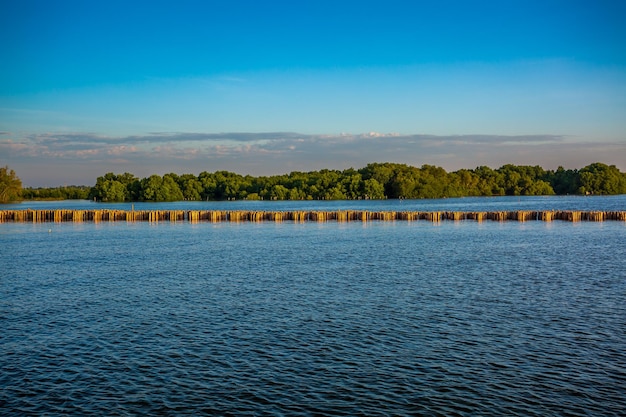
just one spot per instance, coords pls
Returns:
(383, 318)
(505, 203)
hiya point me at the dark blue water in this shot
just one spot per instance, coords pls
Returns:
(383, 318)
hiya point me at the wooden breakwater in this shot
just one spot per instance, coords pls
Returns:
(194, 216)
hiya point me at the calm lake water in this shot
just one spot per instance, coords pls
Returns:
(606, 203)
(382, 318)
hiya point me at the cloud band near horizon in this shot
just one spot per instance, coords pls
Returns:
(52, 159)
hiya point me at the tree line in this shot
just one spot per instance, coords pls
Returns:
(374, 181)
(71, 192)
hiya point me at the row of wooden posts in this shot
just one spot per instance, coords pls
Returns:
(193, 216)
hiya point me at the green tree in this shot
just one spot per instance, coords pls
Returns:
(403, 185)
(465, 183)
(432, 182)
(10, 185)
(297, 194)
(115, 188)
(490, 182)
(599, 178)
(228, 185)
(335, 193)
(353, 184)
(564, 181)
(385, 174)
(71, 192)
(279, 192)
(156, 188)
(171, 190)
(327, 185)
(209, 185)
(190, 186)
(524, 180)
(374, 190)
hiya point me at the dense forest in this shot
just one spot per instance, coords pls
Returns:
(375, 181)
(72, 192)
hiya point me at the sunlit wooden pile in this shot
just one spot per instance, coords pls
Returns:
(194, 216)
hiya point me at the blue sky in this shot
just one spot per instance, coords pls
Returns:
(267, 88)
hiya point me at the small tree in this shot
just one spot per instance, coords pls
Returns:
(111, 188)
(10, 186)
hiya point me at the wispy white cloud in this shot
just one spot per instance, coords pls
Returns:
(186, 144)
(267, 153)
